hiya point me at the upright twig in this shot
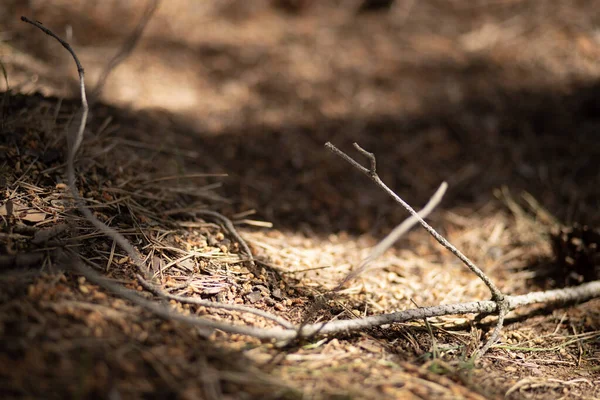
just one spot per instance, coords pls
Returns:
(371, 172)
(76, 143)
(84, 104)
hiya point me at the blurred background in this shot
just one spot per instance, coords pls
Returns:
(481, 93)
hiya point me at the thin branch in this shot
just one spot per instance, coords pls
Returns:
(580, 293)
(81, 73)
(232, 231)
(372, 173)
(211, 304)
(497, 295)
(502, 311)
(116, 236)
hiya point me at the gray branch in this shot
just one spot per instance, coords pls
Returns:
(372, 173)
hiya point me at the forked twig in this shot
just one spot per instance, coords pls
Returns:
(371, 172)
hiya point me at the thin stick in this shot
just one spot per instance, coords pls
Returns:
(580, 293)
(371, 172)
(80, 71)
(232, 231)
(395, 235)
(502, 311)
(116, 236)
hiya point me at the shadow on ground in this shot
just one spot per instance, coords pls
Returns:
(542, 142)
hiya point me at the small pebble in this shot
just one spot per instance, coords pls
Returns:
(277, 294)
(254, 296)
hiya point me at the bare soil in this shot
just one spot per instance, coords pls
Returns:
(501, 99)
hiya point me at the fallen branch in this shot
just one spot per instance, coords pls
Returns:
(232, 231)
(582, 293)
(371, 172)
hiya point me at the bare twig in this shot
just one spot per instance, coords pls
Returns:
(502, 311)
(116, 236)
(232, 231)
(371, 172)
(80, 71)
(580, 293)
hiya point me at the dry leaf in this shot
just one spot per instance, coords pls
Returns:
(23, 212)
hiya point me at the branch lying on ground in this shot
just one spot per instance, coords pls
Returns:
(581, 293)
(290, 331)
(371, 172)
(232, 231)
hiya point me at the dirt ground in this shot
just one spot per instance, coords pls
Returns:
(500, 98)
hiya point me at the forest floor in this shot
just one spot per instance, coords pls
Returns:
(499, 98)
